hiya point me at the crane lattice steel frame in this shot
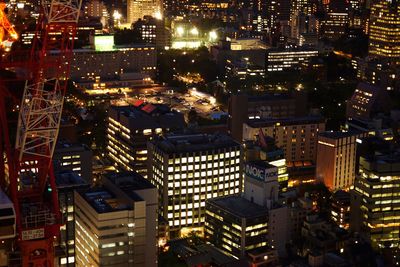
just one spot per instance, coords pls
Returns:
(27, 168)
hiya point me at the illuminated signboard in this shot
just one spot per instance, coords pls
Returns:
(260, 173)
(104, 42)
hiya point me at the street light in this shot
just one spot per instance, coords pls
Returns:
(213, 35)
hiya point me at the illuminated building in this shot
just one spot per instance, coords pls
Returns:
(266, 150)
(74, 157)
(242, 107)
(296, 136)
(367, 101)
(130, 127)
(67, 182)
(336, 159)
(239, 224)
(375, 202)
(288, 58)
(153, 31)
(116, 224)
(107, 61)
(340, 209)
(187, 170)
(95, 8)
(384, 34)
(137, 9)
(334, 25)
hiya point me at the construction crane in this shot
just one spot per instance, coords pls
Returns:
(28, 175)
(6, 28)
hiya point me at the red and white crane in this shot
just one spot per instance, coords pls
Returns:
(28, 175)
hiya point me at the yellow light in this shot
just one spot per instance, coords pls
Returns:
(158, 15)
(213, 35)
(194, 31)
(180, 31)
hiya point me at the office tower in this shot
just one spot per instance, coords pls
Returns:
(239, 224)
(152, 31)
(340, 209)
(95, 8)
(296, 136)
(336, 158)
(334, 25)
(187, 170)
(242, 107)
(116, 224)
(284, 59)
(375, 203)
(384, 34)
(367, 101)
(74, 157)
(130, 127)
(137, 9)
(67, 182)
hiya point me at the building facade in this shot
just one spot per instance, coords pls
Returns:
(384, 36)
(187, 170)
(296, 136)
(89, 64)
(288, 59)
(137, 9)
(130, 127)
(67, 182)
(116, 225)
(242, 107)
(73, 157)
(336, 159)
(375, 202)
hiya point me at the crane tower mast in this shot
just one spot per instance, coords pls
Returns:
(31, 182)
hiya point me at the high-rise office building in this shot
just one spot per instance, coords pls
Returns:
(278, 59)
(336, 159)
(67, 182)
(335, 25)
(187, 170)
(130, 127)
(116, 224)
(137, 9)
(375, 202)
(74, 157)
(384, 34)
(296, 136)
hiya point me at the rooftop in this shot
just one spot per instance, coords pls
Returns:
(239, 206)
(339, 134)
(129, 182)
(194, 142)
(150, 115)
(103, 200)
(69, 179)
(257, 123)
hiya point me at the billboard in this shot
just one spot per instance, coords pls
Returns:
(261, 173)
